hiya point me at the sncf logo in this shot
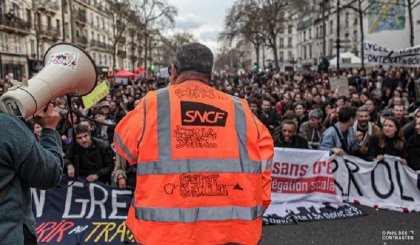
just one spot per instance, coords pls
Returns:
(199, 114)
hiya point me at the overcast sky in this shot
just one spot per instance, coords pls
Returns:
(202, 18)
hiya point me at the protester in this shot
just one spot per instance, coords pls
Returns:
(340, 139)
(25, 163)
(409, 128)
(288, 137)
(173, 143)
(268, 115)
(367, 128)
(390, 141)
(413, 148)
(89, 157)
(124, 174)
(313, 129)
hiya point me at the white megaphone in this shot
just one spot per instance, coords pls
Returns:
(68, 69)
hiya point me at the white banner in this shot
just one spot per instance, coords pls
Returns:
(377, 54)
(303, 188)
(387, 184)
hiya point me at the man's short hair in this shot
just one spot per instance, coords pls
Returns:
(194, 57)
(289, 122)
(316, 113)
(81, 129)
(363, 109)
(346, 113)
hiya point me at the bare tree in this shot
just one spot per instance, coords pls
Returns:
(228, 60)
(171, 44)
(244, 21)
(122, 15)
(411, 5)
(153, 14)
(275, 15)
(361, 10)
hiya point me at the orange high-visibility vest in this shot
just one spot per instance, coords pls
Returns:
(203, 167)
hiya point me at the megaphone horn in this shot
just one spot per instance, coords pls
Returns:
(68, 69)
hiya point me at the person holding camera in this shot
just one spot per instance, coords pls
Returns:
(26, 163)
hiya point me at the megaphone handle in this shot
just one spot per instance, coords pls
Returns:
(70, 109)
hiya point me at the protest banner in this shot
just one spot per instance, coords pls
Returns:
(100, 92)
(303, 188)
(377, 54)
(82, 213)
(340, 86)
(385, 184)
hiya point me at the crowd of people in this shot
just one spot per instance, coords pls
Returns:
(380, 115)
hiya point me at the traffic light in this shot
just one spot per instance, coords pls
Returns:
(255, 66)
(152, 67)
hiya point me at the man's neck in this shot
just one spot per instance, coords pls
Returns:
(190, 77)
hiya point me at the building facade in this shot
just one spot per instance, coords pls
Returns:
(29, 27)
(305, 41)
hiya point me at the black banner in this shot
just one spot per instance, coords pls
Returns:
(79, 212)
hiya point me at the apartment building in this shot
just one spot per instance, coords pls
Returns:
(301, 43)
(29, 27)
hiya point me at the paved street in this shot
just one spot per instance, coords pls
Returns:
(360, 230)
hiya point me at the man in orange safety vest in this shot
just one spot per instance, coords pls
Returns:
(203, 160)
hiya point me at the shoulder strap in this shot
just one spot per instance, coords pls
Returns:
(342, 140)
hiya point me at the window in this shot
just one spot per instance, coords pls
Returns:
(310, 33)
(310, 51)
(49, 23)
(17, 45)
(65, 6)
(67, 29)
(289, 42)
(32, 46)
(289, 55)
(4, 41)
(57, 24)
(281, 30)
(16, 10)
(304, 36)
(281, 56)
(2, 7)
(304, 53)
(92, 19)
(281, 43)
(290, 29)
(29, 17)
(331, 27)
(346, 20)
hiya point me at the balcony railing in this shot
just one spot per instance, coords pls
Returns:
(81, 40)
(102, 45)
(122, 53)
(51, 6)
(49, 31)
(13, 23)
(122, 40)
(81, 17)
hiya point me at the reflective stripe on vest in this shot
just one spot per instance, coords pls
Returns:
(166, 165)
(189, 215)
